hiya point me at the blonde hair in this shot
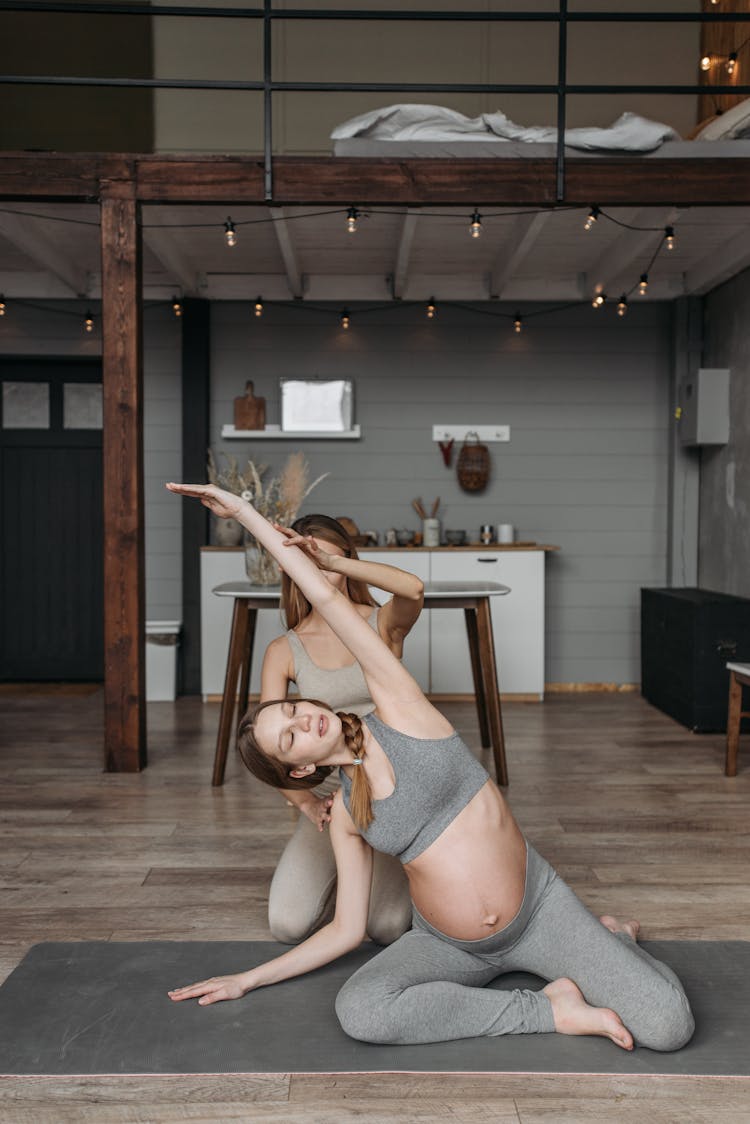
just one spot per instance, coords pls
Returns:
(271, 771)
(294, 604)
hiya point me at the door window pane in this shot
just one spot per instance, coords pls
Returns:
(25, 405)
(82, 405)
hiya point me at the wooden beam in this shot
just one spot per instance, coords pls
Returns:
(124, 571)
(610, 180)
(35, 238)
(525, 232)
(403, 254)
(286, 247)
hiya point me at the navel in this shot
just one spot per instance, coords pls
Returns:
(491, 920)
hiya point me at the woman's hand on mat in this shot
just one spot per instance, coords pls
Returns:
(321, 558)
(318, 810)
(223, 504)
(211, 991)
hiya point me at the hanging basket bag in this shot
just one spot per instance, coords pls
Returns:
(473, 467)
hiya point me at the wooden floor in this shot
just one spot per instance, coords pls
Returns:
(633, 810)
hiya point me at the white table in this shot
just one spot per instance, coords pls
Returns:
(472, 597)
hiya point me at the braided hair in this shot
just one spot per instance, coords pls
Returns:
(271, 771)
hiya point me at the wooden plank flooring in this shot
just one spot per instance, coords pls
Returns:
(632, 809)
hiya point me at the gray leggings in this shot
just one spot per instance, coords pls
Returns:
(428, 987)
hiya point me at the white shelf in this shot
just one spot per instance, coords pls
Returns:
(276, 433)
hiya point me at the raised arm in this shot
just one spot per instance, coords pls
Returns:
(390, 684)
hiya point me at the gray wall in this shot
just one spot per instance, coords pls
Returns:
(586, 396)
(724, 545)
(27, 331)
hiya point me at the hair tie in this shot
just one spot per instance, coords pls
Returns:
(357, 761)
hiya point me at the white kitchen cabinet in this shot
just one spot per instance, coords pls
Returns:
(517, 621)
(436, 651)
(219, 566)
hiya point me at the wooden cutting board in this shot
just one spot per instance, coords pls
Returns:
(249, 411)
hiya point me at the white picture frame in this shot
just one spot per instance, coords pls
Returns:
(316, 405)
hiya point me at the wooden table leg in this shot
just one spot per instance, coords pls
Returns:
(487, 656)
(237, 648)
(734, 717)
(247, 663)
(476, 671)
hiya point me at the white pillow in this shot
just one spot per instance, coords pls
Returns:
(733, 124)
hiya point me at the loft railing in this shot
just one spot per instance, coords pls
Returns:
(268, 86)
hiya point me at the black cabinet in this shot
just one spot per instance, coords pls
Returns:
(687, 637)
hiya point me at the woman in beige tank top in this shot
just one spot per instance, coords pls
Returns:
(310, 655)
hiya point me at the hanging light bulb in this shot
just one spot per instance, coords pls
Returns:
(669, 237)
(593, 216)
(731, 63)
(177, 306)
(2, 304)
(230, 233)
(476, 225)
(643, 284)
(706, 62)
(88, 322)
(351, 220)
(622, 305)
(430, 310)
(598, 300)
(517, 324)
(258, 306)
(345, 321)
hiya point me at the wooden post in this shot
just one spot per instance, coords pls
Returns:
(124, 570)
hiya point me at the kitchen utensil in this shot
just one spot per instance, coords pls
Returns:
(431, 532)
(505, 532)
(404, 537)
(455, 538)
(486, 534)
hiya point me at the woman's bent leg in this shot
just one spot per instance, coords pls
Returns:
(564, 939)
(422, 989)
(389, 916)
(303, 889)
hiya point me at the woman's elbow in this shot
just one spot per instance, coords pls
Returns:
(417, 593)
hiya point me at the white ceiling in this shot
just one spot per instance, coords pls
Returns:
(410, 254)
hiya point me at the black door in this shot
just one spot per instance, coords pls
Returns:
(51, 626)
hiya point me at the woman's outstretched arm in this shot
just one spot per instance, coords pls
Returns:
(391, 686)
(344, 933)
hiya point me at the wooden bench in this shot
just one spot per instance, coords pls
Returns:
(739, 677)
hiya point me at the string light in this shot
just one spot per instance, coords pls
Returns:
(430, 310)
(517, 324)
(88, 322)
(177, 306)
(230, 233)
(643, 284)
(258, 306)
(669, 238)
(351, 220)
(476, 225)
(345, 320)
(731, 63)
(593, 216)
(2, 304)
(598, 300)
(622, 305)
(706, 62)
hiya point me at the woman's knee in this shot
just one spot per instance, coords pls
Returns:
(363, 1010)
(671, 1027)
(388, 925)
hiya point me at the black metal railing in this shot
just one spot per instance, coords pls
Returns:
(268, 86)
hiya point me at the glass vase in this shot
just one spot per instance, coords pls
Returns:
(260, 566)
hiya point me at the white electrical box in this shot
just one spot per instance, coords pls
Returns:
(704, 403)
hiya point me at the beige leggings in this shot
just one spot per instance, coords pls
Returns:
(303, 890)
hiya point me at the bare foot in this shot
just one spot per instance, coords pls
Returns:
(573, 1015)
(632, 928)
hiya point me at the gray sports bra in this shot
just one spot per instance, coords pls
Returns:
(435, 780)
(341, 688)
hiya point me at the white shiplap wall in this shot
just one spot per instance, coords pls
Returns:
(585, 394)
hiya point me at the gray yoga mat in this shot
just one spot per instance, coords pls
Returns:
(101, 1007)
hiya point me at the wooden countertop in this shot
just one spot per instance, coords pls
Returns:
(475, 546)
